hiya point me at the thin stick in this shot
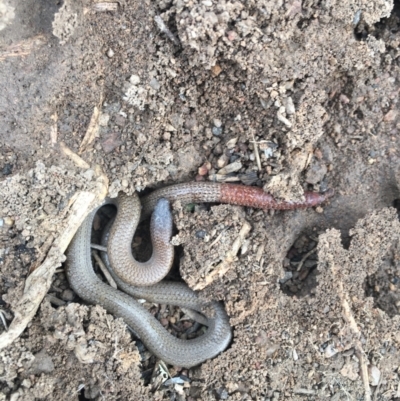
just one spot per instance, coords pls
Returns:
(303, 259)
(256, 154)
(163, 28)
(349, 318)
(104, 270)
(3, 319)
(99, 247)
(38, 283)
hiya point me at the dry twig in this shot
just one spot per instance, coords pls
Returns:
(349, 318)
(104, 270)
(164, 29)
(38, 283)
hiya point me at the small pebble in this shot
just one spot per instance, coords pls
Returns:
(231, 168)
(67, 295)
(374, 375)
(201, 234)
(217, 123)
(203, 170)
(222, 161)
(26, 383)
(274, 94)
(319, 209)
(232, 35)
(288, 275)
(290, 109)
(330, 351)
(155, 84)
(125, 183)
(344, 99)
(390, 115)
(164, 321)
(110, 53)
(187, 325)
(318, 154)
(216, 70)
(217, 131)
(134, 79)
(7, 169)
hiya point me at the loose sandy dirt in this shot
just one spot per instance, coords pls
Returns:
(292, 95)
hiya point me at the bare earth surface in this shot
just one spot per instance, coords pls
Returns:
(295, 95)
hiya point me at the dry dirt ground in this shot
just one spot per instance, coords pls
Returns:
(97, 98)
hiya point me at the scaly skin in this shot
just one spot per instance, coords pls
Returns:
(233, 194)
(172, 350)
(88, 286)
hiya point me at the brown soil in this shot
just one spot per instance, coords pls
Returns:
(312, 87)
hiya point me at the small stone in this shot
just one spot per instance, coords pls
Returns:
(274, 94)
(289, 106)
(164, 321)
(223, 161)
(217, 123)
(187, 325)
(390, 115)
(203, 170)
(111, 141)
(231, 143)
(232, 35)
(120, 121)
(25, 233)
(319, 209)
(155, 84)
(330, 351)
(7, 169)
(172, 320)
(344, 99)
(231, 168)
(88, 174)
(316, 173)
(41, 364)
(26, 383)
(191, 123)
(288, 275)
(110, 53)
(217, 131)
(169, 128)
(134, 79)
(67, 295)
(318, 154)
(8, 221)
(201, 234)
(103, 119)
(216, 70)
(125, 183)
(374, 375)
